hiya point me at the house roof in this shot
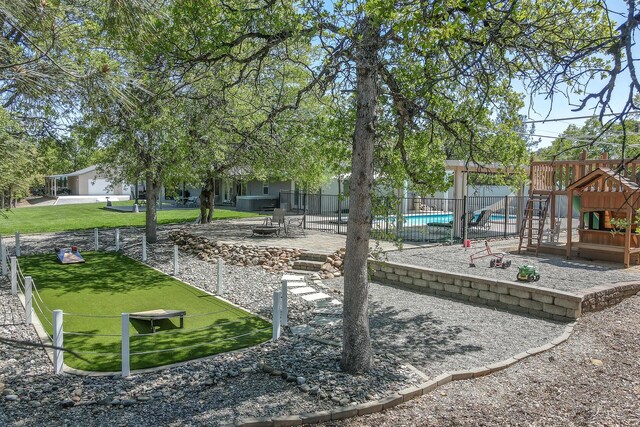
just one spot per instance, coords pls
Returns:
(76, 173)
(606, 173)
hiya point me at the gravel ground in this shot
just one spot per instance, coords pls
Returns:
(432, 334)
(592, 379)
(555, 272)
(437, 334)
(214, 391)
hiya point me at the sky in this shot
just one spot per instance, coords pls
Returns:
(546, 114)
(540, 108)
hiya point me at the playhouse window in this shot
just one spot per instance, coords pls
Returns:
(601, 220)
(593, 220)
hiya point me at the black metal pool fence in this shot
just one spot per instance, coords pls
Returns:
(414, 219)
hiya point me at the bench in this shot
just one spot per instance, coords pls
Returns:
(159, 314)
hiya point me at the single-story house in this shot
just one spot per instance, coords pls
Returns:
(84, 182)
(245, 195)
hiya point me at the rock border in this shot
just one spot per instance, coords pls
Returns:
(379, 405)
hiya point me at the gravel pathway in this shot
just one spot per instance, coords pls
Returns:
(432, 334)
(555, 272)
(592, 379)
(438, 334)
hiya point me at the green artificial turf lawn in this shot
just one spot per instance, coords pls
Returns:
(91, 215)
(110, 284)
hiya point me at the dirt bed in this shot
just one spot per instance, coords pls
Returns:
(555, 272)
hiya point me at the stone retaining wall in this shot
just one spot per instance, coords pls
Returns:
(523, 298)
(603, 296)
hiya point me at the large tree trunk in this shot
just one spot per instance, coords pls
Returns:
(204, 197)
(356, 351)
(207, 196)
(151, 228)
(211, 200)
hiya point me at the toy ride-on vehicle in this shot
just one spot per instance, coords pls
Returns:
(497, 257)
(500, 263)
(528, 273)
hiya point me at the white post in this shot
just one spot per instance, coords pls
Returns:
(14, 275)
(220, 283)
(28, 295)
(58, 333)
(126, 370)
(95, 239)
(144, 248)
(276, 316)
(3, 254)
(284, 310)
(17, 243)
(175, 260)
(117, 239)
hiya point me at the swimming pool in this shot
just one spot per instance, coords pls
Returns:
(424, 219)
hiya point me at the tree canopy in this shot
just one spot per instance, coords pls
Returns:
(300, 86)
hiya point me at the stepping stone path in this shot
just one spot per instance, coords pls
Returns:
(296, 284)
(328, 311)
(315, 297)
(298, 291)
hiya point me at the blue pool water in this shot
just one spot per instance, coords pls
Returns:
(423, 219)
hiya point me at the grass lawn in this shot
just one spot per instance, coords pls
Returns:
(91, 215)
(109, 284)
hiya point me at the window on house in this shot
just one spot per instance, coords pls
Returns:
(265, 188)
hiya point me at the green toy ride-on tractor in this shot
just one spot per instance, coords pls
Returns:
(528, 273)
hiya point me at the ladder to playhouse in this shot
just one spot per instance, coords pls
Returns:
(537, 207)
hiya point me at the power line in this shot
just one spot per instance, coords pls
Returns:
(560, 119)
(579, 136)
(579, 139)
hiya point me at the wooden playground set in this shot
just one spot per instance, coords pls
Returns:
(604, 192)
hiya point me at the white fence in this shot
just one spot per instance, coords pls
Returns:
(55, 319)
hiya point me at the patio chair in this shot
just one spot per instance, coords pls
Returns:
(276, 219)
(295, 224)
(449, 224)
(553, 234)
(481, 221)
(192, 202)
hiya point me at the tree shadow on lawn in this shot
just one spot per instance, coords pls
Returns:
(170, 344)
(111, 273)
